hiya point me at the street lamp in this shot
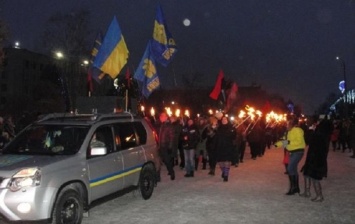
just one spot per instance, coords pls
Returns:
(345, 84)
(85, 63)
(63, 78)
(72, 70)
(59, 54)
(17, 45)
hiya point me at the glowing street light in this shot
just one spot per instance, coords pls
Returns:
(59, 54)
(17, 45)
(345, 84)
(344, 71)
(85, 63)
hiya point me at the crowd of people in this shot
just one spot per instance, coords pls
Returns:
(211, 141)
(217, 140)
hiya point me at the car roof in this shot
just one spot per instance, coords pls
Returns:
(85, 119)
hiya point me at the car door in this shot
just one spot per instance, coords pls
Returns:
(132, 153)
(105, 171)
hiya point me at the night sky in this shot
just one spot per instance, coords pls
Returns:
(286, 46)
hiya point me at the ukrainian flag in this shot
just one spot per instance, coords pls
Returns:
(113, 53)
(146, 73)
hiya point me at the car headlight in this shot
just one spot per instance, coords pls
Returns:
(25, 178)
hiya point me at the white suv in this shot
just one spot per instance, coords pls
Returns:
(56, 167)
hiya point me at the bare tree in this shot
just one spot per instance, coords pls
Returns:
(68, 32)
(192, 80)
(3, 36)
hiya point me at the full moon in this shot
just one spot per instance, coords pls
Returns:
(186, 22)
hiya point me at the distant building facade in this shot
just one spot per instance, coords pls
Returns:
(24, 70)
(21, 70)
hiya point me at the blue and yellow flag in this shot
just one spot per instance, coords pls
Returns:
(163, 44)
(94, 73)
(96, 47)
(113, 53)
(146, 73)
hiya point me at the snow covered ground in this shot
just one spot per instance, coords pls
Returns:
(255, 193)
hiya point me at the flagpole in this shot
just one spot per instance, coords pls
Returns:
(140, 97)
(126, 104)
(174, 75)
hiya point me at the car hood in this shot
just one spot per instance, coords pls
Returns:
(11, 163)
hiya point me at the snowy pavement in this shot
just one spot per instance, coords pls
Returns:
(255, 193)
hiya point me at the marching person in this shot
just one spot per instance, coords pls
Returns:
(190, 140)
(210, 135)
(241, 140)
(201, 146)
(225, 137)
(175, 123)
(255, 140)
(166, 141)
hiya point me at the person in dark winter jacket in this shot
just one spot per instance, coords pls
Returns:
(177, 127)
(315, 167)
(255, 139)
(241, 140)
(166, 147)
(225, 137)
(190, 140)
(210, 134)
(201, 146)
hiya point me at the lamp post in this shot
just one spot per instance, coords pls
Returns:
(72, 71)
(345, 84)
(63, 78)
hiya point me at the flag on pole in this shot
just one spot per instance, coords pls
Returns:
(96, 47)
(113, 53)
(146, 72)
(231, 96)
(89, 81)
(267, 107)
(163, 44)
(128, 78)
(94, 73)
(218, 86)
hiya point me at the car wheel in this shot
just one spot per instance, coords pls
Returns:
(68, 208)
(146, 182)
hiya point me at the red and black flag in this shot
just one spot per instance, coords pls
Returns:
(219, 87)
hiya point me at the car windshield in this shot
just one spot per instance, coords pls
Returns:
(48, 140)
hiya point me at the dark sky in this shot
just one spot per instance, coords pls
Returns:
(286, 46)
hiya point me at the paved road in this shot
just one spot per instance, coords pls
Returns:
(255, 193)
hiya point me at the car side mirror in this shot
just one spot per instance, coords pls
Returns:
(98, 151)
